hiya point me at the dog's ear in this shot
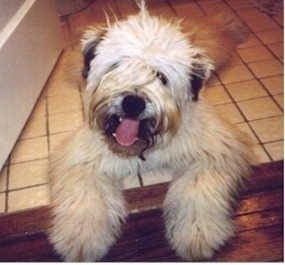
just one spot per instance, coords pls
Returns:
(91, 38)
(199, 75)
(196, 83)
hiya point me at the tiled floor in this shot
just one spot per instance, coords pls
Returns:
(249, 94)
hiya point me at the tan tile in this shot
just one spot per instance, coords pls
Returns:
(260, 154)
(273, 84)
(210, 1)
(159, 8)
(266, 68)
(61, 68)
(98, 8)
(63, 103)
(216, 95)
(230, 113)
(279, 18)
(39, 109)
(34, 127)
(259, 108)
(236, 60)
(277, 49)
(183, 9)
(28, 198)
(244, 127)
(66, 121)
(255, 54)
(28, 174)
(80, 20)
(235, 73)
(275, 150)
(269, 130)
(237, 5)
(57, 87)
(127, 8)
(246, 90)
(271, 36)
(250, 13)
(251, 41)
(3, 179)
(280, 100)
(214, 8)
(29, 149)
(261, 24)
(65, 31)
(2, 202)
(213, 81)
(56, 139)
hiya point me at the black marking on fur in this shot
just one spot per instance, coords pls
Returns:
(196, 85)
(111, 123)
(145, 132)
(162, 78)
(89, 54)
(197, 79)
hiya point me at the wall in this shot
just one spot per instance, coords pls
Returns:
(30, 43)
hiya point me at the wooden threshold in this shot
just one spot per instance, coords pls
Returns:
(259, 217)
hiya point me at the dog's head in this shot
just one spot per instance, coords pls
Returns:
(141, 74)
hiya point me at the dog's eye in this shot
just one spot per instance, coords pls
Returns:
(162, 78)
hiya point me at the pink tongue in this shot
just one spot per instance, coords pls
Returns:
(127, 132)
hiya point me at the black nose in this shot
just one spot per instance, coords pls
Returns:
(133, 106)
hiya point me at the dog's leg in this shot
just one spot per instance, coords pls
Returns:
(197, 213)
(87, 205)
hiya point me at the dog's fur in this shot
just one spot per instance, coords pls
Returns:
(159, 66)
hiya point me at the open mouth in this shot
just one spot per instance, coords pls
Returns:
(128, 132)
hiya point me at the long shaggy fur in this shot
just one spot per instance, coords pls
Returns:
(159, 66)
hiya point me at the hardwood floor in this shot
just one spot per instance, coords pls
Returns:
(259, 217)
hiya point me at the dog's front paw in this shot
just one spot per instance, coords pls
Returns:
(198, 240)
(84, 241)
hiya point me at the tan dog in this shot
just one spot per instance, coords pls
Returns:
(143, 114)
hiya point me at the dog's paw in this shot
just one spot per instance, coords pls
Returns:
(77, 244)
(200, 240)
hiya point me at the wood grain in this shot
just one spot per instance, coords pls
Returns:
(259, 217)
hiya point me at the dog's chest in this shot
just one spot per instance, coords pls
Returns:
(153, 172)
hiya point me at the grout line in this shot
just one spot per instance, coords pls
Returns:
(255, 134)
(7, 190)
(27, 161)
(172, 8)
(28, 187)
(267, 153)
(47, 127)
(256, 78)
(201, 7)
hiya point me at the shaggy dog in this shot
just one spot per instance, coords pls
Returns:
(144, 114)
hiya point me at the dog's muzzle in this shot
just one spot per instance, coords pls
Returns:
(127, 131)
(130, 130)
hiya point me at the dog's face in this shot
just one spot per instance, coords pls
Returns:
(141, 74)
